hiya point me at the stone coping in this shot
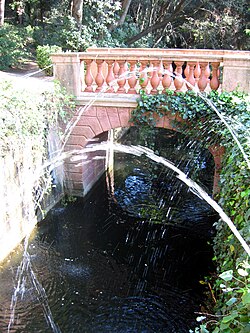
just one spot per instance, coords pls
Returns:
(152, 54)
(108, 99)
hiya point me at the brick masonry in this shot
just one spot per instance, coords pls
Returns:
(95, 122)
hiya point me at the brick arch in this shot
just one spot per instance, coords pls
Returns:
(96, 120)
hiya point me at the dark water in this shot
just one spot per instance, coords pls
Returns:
(130, 261)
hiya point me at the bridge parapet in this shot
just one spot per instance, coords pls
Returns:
(106, 83)
(122, 71)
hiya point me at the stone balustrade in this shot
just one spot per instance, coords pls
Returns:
(123, 71)
(107, 81)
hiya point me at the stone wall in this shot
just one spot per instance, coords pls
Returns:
(81, 176)
(20, 183)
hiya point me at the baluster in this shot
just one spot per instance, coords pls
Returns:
(214, 82)
(186, 71)
(121, 80)
(88, 76)
(167, 76)
(110, 77)
(190, 78)
(144, 75)
(132, 81)
(150, 70)
(207, 72)
(116, 69)
(126, 66)
(197, 71)
(116, 73)
(178, 82)
(218, 74)
(160, 74)
(99, 80)
(155, 80)
(202, 83)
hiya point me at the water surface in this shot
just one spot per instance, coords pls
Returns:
(126, 261)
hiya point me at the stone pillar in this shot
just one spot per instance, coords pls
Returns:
(236, 72)
(67, 70)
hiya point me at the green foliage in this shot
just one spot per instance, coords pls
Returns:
(234, 303)
(23, 116)
(100, 16)
(200, 24)
(14, 42)
(43, 57)
(192, 107)
(59, 105)
(121, 33)
(26, 117)
(68, 199)
(61, 29)
(217, 33)
(233, 298)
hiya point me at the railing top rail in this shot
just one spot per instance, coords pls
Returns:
(154, 54)
(168, 51)
(133, 56)
(144, 57)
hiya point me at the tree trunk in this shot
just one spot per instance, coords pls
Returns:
(2, 4)
(170, 17)
(125, 8)
(124, 11)
(77, 11)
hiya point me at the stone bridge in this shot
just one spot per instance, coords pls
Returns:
(106, 83)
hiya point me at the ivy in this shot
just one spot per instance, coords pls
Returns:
(28, 118)
(25, 117)
(231, 283)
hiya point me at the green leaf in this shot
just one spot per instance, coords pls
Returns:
(231, 301)
(247, 215)
(216, 330)
(224, 327)
(203, 329)
(246, 298)
(245, 193)
(227, 275)
(230, 317)
(245, 329)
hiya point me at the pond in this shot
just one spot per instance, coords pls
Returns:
(128, 259)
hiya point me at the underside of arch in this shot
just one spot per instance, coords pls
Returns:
(94, 122)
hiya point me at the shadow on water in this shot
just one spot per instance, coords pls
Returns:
(127, 261)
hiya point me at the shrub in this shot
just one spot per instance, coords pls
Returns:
(62, 30)
(43, 57)
(14, 42)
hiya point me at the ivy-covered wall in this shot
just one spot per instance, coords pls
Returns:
(26, 185)
(18, 176)
(218, 119)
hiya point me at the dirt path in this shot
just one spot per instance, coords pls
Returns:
(28, 78)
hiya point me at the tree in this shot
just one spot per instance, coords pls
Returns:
(170, 16)
(124, 10)
(76, 12)
(2, 5)
(189, 23)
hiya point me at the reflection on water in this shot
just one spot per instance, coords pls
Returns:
(108, 266)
